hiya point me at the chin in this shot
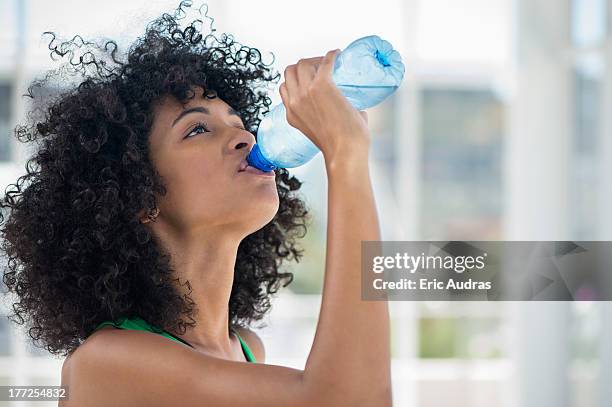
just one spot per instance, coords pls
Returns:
(267, 198)
(270, 213)
(262, 214)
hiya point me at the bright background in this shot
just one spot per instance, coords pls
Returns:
(499, 132)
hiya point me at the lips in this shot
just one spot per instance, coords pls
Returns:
(245, 167)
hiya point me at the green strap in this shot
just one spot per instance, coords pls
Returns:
(140, 324)
(248, 352)
(137, 324)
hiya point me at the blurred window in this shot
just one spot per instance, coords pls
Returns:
(462, 132)
(460, 338)
(586, 104)
(588, 22)
(5, 336)
(5, 119)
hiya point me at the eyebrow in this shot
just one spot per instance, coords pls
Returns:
(201, 109)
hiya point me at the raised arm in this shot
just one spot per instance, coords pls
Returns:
(351, 350)
(351, 346)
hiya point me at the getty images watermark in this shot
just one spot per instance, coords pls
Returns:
(487, 270)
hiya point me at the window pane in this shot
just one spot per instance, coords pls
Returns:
(36, 350)
(588, 22)
(462, 133)
(5, 337)
(5, 118)
(586, 330)
(460, 337)
(587, 83)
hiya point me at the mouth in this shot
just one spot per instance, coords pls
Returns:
(244, 167)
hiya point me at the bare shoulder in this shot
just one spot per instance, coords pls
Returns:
(254, 343)
(110, 363)
(137, 368)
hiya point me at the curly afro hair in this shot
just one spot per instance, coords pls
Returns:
(76, 251)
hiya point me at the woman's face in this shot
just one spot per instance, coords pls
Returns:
(198, 153)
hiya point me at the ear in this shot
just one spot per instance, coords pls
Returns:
(142, 216)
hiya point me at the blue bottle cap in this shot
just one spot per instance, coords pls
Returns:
(257, 160)
(382, 58)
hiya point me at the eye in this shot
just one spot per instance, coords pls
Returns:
(198, 126)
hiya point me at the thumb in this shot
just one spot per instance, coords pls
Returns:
(326, 68)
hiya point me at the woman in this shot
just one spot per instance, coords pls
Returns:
(139, 214)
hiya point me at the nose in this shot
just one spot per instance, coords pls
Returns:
(240, 140)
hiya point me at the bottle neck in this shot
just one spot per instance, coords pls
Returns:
(256, 159)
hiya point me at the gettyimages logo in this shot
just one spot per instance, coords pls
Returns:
(487, 270)
(411, 264)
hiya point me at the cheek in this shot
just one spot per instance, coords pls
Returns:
(196, 187)
(200, 190)
(210, 194)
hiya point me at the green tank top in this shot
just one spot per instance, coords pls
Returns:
(140, 324)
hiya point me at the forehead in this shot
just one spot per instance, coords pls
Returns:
(170, 106)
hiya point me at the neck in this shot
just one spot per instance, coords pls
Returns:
(207, 261)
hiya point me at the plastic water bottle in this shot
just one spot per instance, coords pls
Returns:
(367, 71)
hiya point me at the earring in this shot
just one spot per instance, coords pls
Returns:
(152, 215)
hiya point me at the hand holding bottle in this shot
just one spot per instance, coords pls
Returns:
(366, 72)
(317, 108)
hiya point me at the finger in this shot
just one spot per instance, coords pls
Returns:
(283, 94)
(285, 98)
(306, 70)
(326, 67)
(314, 61)
(291, 80)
